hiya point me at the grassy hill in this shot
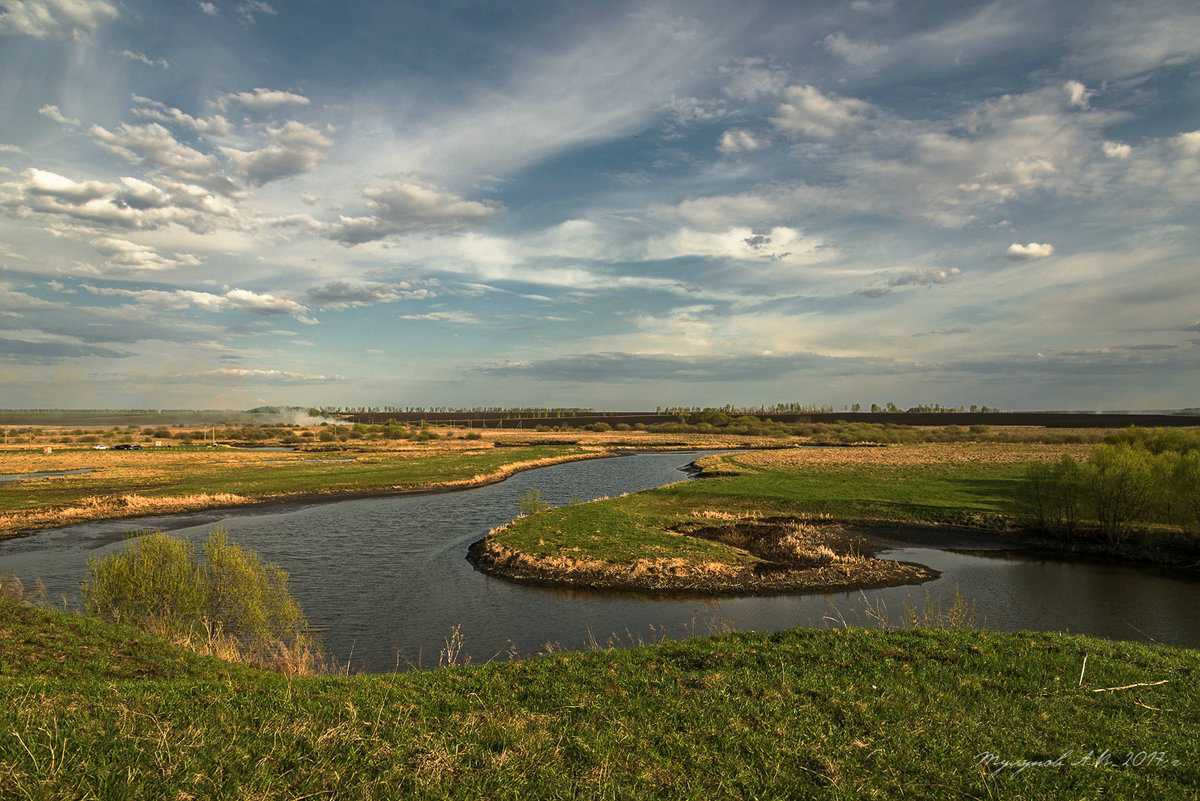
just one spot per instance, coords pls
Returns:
(89, 709)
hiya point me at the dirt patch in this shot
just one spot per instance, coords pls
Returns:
(792, 556)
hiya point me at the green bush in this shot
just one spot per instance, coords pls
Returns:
(532, 502)
(161, 583)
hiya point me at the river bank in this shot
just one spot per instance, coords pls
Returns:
(151, 482)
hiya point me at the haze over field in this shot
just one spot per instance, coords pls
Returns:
(225, 204)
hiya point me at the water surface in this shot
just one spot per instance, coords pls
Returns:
(386, 578)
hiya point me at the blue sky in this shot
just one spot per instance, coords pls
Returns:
(226, 204)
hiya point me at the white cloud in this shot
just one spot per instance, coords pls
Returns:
(779, 244)
(858, 54)
(129, 203)
(262, 99)
(124, 255)
(208, 8)
(1033, 250)
(736, 141)
(1078, 95)
(247, 11)
(1116, 150)
(456, 317)
(154, 110)
(614, 81)
(264, 304)
(807, 112)
(408, 207)
(298, 149)
(11, 149)
(285, 376)
(142, 58)
(12, 300)
(346, 295)
(55, 114)
(923, 276)
(752, 78)
(151, 144)
(54, 18)
(1120, 40)
(1187, 144)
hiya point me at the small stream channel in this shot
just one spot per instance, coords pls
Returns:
(385, 578)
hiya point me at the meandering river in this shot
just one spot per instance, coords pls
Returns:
(385, 579)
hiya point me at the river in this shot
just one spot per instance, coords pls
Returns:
(385, 579)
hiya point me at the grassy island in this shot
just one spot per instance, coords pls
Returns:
(798, 519)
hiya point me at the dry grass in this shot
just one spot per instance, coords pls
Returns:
(980, 453)
(303, 657)
(108, 507)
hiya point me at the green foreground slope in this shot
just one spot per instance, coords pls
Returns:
(843, 713)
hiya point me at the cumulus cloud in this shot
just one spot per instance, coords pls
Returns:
(208, 9)
(1078, 95)
(150, 144)
(263, 304)
(58, 19)
(808, 113)
(736, 141)
(154, 110)
(405, 207)
(129, 203)
(1033, 250)
(124, 255)
(1116, 150)
(297, 149)
(55, 114)
(1187, 144)
(262, 99)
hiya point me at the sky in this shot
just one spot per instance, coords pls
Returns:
(614, 205)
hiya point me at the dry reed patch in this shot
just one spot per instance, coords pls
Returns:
(113, 506)
(982, 453)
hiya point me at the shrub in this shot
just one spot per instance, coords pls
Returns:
(532, 502)
(162, 584)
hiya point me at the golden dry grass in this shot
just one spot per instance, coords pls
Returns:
(983, 453)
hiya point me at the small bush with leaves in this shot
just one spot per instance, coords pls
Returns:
(162, 583)
(532, 502)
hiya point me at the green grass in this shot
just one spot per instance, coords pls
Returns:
(814, 714)
(168, 473)
(635, 526)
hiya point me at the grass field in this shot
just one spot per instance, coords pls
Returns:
(96, 710)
